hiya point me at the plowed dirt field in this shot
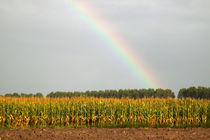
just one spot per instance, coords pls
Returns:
(106, 133)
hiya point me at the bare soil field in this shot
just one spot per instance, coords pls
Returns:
(106, 133)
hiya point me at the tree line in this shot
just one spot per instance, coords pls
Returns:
(15, 94)
(192, 92)
(195, 92)
(131, 93)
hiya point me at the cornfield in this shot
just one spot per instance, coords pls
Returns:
(103, 112)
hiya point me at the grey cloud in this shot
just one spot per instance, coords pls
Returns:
(45, 46)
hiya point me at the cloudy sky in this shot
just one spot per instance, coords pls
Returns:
(45, 46)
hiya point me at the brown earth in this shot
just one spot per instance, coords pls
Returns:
(106, 133)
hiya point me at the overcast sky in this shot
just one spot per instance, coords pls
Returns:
(45, 46)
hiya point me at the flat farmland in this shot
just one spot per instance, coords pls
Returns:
(104, 118)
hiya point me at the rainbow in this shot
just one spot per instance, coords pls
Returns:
(115, 43)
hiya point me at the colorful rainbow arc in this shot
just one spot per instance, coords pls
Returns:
(113, 41)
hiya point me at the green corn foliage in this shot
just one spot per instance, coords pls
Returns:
(102, 112)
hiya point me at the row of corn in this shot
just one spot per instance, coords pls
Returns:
(103, 112)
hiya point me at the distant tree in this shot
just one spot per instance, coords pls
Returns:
(23, 95)
(8, 95)
(193, 92)
(51, 94)
(30, 95)
(131, 93)
(15, 95)
(38, 95)
(181, 93)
